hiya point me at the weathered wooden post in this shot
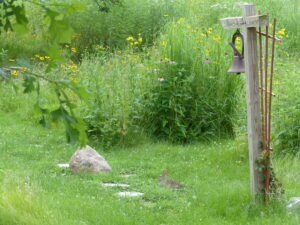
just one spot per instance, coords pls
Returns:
(249, 22)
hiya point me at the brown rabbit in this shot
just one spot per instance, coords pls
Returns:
(171, 183)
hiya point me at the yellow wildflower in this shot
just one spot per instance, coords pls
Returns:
(207, 51)
(166, 15)
(210, 30)
(47, 57)
(140, 39)
(73, 49)
(281, 31)
(74, 79)
(100, 47)
(130, 38)
(73, 66)
(42, 58)
(216, 38)
(23, 69)
(181, 20)
(203, 35)
(67, 46)
(11, 60)
(164, 43)
(14, 72)
(37, 56)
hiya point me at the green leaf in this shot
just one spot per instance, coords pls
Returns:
(4, 74)
(20, 28)
(28, 83)
(72, 134)
(54, 52)
(58, 113)
(44, 122)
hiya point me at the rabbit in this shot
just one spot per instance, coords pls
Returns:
(171, 183)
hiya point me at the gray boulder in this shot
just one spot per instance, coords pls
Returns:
(88, 160)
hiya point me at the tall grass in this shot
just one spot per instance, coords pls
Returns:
(197, 98)
(173, 83)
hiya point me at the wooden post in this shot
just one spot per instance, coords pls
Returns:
(253, 103)
(249, 21)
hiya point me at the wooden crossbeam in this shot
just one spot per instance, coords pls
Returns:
(247, 22)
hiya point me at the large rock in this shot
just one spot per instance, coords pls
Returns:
(88, 160)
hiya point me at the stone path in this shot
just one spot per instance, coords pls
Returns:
(120, 194)
(63, 165)
(129, 194)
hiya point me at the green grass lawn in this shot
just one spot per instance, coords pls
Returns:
(34, 191)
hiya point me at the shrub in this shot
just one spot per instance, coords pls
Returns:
(110, 29)
(286, 113)
(288, 138)
(117, 84)
(194, 97)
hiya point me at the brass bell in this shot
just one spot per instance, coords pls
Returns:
(238, 65)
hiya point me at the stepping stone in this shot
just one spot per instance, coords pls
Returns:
(129, 194)
(63, 165)
(294, 203)
(115, 185)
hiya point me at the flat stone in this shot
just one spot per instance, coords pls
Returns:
(294, 203)
(63, 165)
(129, 194)
(115, 185)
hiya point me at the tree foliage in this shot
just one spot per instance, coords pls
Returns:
(13, 18)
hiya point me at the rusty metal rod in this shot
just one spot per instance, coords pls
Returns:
(264, 34)
(270, 105)
(274, 95)
(271, 79)
(267, 186)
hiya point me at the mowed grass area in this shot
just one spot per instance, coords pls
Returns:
(180, 37)
(216, 177)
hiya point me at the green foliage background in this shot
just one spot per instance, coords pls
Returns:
(197, 99)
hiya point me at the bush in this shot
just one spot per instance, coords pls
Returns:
(194, 97)
(117, 84)
(286, 113)
(110, 29)
(288, 139)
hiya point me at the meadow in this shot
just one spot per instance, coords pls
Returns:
(159, 98)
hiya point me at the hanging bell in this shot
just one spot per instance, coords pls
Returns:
(238, 65)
